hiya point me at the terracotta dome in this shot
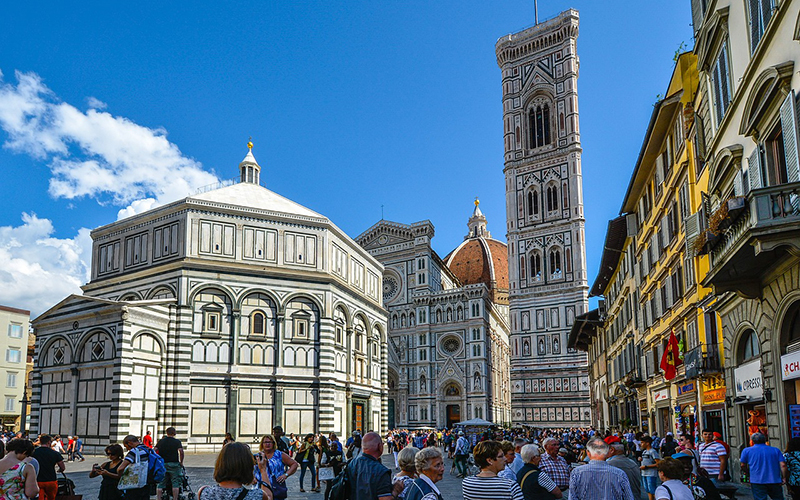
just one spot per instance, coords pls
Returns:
(480, 259)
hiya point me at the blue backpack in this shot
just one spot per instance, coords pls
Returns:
(156, 470)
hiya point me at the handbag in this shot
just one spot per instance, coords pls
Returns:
(134, 475)
(279, 490)
(326, 473)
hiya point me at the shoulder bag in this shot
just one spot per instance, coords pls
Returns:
(279, 490)
(134, 475)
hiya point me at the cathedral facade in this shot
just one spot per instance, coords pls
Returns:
(544, 202)
(233, 310)
(448, 348)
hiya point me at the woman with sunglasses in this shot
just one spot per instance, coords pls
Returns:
(109, 472)
(277, 463)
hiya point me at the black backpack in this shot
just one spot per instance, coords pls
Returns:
(340, 486)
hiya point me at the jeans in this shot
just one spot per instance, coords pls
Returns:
(310, 467)
(461, 464)
(762, 491)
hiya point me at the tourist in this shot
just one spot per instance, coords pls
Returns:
(598, 479)
(462, 454)
(354, 449)
(281, 441)
(109, 471)
(137, 452)
(701, 486)
(668, 446)
(171, 450)
(791, 468)
(517, 463)
(48, 460)
(713, 458)
(687, 446)
(648, 466)
(233, 473)
(535, 483)
(147, 440)
(369, 479)
(765, 465)
(228, 439)
(57, 445)
(306, 456)
(279, 466)
(333, 442)
(486, 484)
(509, 451)
(670, 471)
(77, 448)
(408, 469)
(18, 478)
(430, 468)
(630, 467)
(554, 465)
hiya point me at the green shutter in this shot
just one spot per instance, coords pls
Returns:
(789, 126)
(754, 165)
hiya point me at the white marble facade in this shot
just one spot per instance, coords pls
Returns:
(233, 310)
(546, 240)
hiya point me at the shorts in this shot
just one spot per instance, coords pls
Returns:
(650, 483)
(48, 490)
(175, 474)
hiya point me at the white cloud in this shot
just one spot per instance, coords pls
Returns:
(95, 103)
(39, 270)
(93, 153)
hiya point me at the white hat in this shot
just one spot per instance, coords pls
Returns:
(669, 434)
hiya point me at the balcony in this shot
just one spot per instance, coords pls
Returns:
(756, 238)
(702, 360)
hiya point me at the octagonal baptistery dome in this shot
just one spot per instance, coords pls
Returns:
(481, 259)
(234, 289)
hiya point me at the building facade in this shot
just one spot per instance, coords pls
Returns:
(747, 135)
(233, 310)
(545, 222)
(14, 327)
(448, 353)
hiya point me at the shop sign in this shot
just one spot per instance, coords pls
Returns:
(691, 363)
(713, 396)
(790, 364)
(711, 383)
(662, 395)
(686, 388)
(748, 380)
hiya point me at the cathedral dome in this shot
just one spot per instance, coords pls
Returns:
(480, 259)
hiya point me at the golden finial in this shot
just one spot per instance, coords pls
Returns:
(250, 142)
(477, 201)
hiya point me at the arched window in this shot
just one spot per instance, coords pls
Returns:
(535, 203)
(555, 261)
(530, 202)
(257, 323)
(749, 346)
(539, 126)
(552, 198)
(536, 265)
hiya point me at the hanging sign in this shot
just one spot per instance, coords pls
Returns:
(790, 365)
(686, 388)
(748, 380)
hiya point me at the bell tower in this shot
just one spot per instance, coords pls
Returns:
(545, 222)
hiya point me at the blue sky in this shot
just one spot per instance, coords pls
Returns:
(111, 108)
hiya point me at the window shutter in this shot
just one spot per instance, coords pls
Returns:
(754, 169)
(668, 291)
(692, 226)
(659, 170)
(789, 125)
(755, 24)
(738, 185)
(657, 298)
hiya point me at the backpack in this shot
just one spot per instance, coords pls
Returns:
(340, 486)
(156, 470)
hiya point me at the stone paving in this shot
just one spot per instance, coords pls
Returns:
(200, 470)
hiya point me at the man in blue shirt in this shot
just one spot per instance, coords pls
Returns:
(764, 464)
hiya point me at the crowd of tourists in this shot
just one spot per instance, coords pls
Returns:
(578, 464)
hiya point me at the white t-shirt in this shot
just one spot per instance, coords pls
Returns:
(679, 491)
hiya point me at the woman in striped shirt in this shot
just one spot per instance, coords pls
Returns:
(487, 485)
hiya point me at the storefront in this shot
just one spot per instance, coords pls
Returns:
(663, 412)
(790, 368)
(749, 401)
(713, 405)
(686, 409)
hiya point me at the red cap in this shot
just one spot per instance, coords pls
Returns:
(717, 435)
(612, 439)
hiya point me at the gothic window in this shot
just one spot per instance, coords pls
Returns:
(539, 126)
(552, 198)
(555, 261)
(533, 203)
(536, 265)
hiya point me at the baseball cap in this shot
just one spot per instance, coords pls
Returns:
(612, 439)
(681, 455)
(669, 434)
(717, 435)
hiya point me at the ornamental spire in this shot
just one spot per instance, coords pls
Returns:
(477, 223)
(249, 169)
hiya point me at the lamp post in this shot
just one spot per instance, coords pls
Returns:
(24, 412)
